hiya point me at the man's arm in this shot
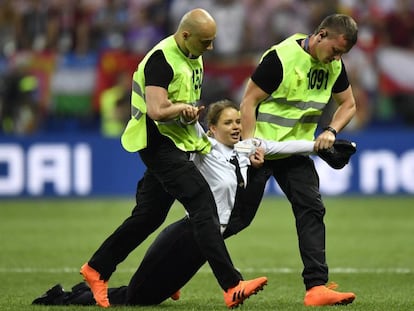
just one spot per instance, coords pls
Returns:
(343, 114)
(252, 97)
(346, 109)
(159, 107)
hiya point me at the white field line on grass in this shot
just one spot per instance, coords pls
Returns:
(207, 270)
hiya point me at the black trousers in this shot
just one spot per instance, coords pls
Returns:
(174, 257)
(170, 175)
(299, 180)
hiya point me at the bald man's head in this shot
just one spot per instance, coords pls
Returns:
(196, 32)
(197, 19)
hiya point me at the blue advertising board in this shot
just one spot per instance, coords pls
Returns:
(68, 165)
(90, 165)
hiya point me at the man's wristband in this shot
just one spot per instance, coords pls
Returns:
(330, 129)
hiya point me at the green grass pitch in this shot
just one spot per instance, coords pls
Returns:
(370, 251)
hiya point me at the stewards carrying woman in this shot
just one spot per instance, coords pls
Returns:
(175, 256)
(166, 86)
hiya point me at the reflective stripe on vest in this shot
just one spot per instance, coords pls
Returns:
(137, 89)
(136, 113)
(297, 104)
(269, 118)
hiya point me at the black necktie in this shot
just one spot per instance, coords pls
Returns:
(240, 181)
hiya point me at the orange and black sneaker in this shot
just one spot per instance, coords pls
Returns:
(176, 295)
(326, 296)
(98, 287)
(236, 295)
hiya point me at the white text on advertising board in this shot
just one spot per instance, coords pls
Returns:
(67, 169)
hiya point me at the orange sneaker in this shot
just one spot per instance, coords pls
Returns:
(236, 295)
(326, 296)
(98, 287)
(176, 295)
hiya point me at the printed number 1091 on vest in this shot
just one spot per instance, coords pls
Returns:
(317, 78)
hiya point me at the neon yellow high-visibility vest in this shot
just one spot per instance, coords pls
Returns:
(185, 87)
(293, 110)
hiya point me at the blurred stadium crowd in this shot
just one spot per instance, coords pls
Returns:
(66, 65)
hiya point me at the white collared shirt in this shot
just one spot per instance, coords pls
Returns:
(220, 174)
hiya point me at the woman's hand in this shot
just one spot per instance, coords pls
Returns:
(257, 159)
